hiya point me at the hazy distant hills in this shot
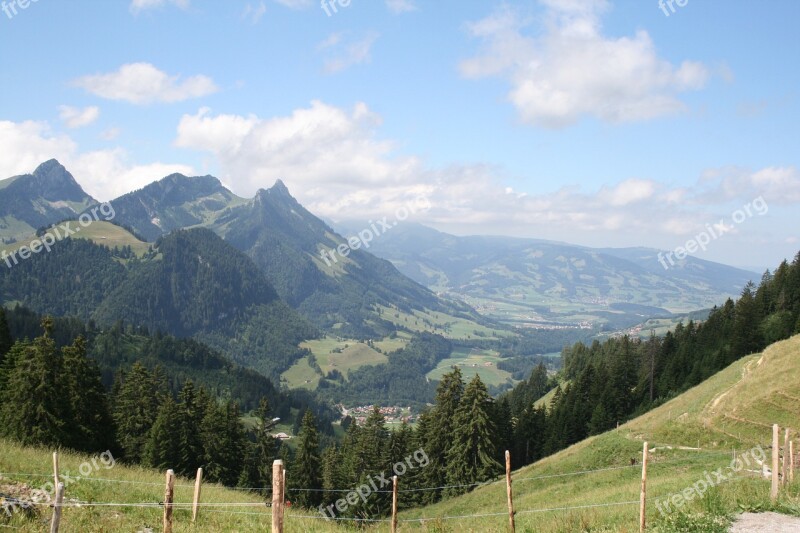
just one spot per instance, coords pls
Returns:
(543, 283)
(31, 201)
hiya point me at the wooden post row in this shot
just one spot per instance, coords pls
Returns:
(509, 494)
(643, 496)
(775, 461)
(394, 504)
(197, 483)
(277, 494)
(57, 508)
(169, 493)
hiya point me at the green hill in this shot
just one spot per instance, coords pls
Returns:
(590, 486)
(733, 410)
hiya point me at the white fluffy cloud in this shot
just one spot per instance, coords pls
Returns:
(104, 174)
(142, 83)
(74, 117)
(572, 70)
(335, 163)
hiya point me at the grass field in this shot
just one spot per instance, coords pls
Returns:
(473, 362)
(442, 324)
(590, 486)
(130, 485)
(343, 355)
(732, 410)
(99, 232)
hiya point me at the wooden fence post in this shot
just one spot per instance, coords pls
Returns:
(169, 493)
(277, 494)
(775, 461)
(509, 494)
(55, 470)
(791, 461)
(643, 496)
(394, 504)
(197, 483)
(57, 508)
(785, 465)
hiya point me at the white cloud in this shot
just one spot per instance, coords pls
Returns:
(334, 162)
(141, 5)
(573, 70)
(401, 6)
(142, 83)
(331, 40)
(104, 174)
(253, 13)
(74, 117)
(778, 185)
(348, 54)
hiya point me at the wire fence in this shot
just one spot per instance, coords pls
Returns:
(249, 508)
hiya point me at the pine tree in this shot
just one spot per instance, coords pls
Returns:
(191, 411)
(224, 442)
(33, 411)
(92, 427)
(5, 335)
(470, 459)
(306, 473)
(135, 409)
(162, 450)
(439, 437)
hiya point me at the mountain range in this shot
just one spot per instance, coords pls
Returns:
(247, 276)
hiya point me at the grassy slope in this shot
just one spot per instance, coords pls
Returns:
(143, 486)
(100, 232)
(733, 409)
(473, 362)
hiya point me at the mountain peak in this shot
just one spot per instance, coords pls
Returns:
(279, 188)
(54, 182)
(50, 167)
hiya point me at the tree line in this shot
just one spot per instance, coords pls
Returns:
(611, 382)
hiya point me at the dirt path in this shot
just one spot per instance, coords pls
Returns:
(765, 523)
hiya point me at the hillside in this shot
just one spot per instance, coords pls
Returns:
(285, 240)
(732, 410)
(192, 284)
(109, 481)
(544, 284)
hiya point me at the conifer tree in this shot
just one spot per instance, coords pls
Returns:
(307, 472)
(92, 427)
(5, 335)
(224, 443)
(439, 437)
(33, 411)
(470, 459)
(162, 450)
(135, 409)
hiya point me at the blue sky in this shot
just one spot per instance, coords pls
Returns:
(603, 123)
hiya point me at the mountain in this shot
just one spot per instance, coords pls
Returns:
(174, 202)
(32, 201)
(286, 241)
(191, 283)
(545, 284)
